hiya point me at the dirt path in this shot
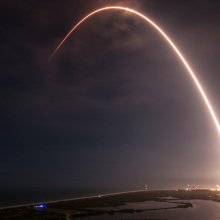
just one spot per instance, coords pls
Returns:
(68, 216)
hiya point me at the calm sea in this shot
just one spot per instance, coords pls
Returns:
(10, 197)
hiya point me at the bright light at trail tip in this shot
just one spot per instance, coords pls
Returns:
(169, 41)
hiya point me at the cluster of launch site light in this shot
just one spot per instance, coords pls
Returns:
(169, 41)
(196, 187)
(193, 186)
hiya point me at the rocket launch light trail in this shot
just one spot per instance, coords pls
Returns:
(166, 37)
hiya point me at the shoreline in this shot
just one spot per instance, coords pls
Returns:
(129, 202)
(88, 197)
(63, 200)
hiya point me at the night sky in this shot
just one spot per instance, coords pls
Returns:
(114, 108)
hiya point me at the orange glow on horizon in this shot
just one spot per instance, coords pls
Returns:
(169, 41)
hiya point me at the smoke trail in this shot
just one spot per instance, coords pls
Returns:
(166, 37)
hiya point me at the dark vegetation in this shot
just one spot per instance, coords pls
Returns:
(28, 213)
(80, 207)
(121, 199)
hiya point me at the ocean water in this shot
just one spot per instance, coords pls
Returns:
(21, 196)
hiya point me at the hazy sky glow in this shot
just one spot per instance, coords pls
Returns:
(164, 35)
(115, 107)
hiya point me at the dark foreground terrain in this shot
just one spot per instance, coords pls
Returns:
(71, 209)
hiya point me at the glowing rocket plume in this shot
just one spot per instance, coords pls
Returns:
(165, 36)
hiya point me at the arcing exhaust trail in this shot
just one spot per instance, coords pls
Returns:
(166, 37)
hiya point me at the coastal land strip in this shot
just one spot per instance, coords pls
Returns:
(92, 206)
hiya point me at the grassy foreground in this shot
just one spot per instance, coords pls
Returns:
(62, 210)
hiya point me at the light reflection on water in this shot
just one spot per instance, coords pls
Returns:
(138, 205)
(202, 209)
